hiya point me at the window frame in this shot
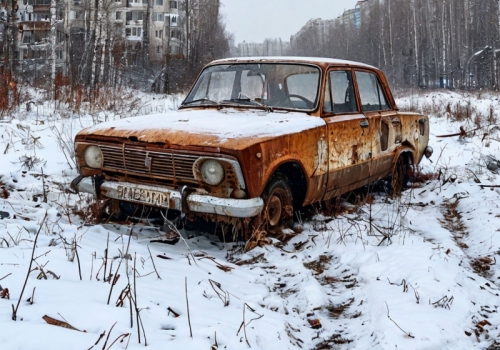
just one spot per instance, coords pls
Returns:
(380, 89)
(328, 88)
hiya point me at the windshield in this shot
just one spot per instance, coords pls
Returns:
(272, 85)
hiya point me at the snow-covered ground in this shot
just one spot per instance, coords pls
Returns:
(421, 274)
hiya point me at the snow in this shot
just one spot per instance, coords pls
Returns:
(271, 59)
(231, 124)
(339, 270)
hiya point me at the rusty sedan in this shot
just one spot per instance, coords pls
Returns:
(254, 140)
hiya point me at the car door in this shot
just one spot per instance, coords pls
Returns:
(383, 119)
(349, 134)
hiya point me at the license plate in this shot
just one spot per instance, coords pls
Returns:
(150, 197)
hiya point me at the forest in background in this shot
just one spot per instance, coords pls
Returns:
(418, 43)
(451, 44)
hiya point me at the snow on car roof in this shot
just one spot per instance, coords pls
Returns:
(318, 60)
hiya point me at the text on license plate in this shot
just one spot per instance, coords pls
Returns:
(144, 196)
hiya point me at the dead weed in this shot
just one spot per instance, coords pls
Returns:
(319, 265)
(330, 343)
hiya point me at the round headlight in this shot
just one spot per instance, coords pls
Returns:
(212, 172)
(428, 151)
(93, 157)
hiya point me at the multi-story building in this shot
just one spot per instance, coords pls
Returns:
(33, 30)
(250, 49)
(349, 17)
(165, 33)
(270, 47)
(275, 47)
(125, 18)
(357, 13)
(317, 28)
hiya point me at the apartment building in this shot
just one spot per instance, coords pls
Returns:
(270, 47)
(165, 31)
(34, 28)
(120, 18)
(317, 28)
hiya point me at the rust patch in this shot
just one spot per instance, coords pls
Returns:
(354, 156)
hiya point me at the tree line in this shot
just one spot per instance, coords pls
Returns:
(418, 43)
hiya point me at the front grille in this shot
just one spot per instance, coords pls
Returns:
(169, 165)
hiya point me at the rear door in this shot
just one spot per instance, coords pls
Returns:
(382, 118)
(349, 134)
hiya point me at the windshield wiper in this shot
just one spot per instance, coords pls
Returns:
(200, 100)
(246, 101)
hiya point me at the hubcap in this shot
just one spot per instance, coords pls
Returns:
(274, 210)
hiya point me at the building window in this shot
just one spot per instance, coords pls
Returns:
(173, 4)
(133, 31)
(27, 39)
(173, 20)
(174, 33)
(158, 16)
(159, 34)
(159, 2)
(118, 15)
(134, 16)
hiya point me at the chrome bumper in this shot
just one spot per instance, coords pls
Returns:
(164, 197)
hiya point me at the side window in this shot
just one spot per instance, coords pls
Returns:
(339, 96)
(370, 92)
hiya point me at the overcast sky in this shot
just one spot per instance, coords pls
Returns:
(255, 20)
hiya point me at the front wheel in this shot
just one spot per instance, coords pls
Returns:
(278, 205)
(277, 213)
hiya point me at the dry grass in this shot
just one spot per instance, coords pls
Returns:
(333, 342)
(319, 266)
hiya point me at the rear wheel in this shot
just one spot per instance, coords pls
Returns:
(401, 175)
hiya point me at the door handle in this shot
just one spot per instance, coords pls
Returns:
(364, 124)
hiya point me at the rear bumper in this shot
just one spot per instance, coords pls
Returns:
(163, 197)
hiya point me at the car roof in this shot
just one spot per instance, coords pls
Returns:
(292, 59)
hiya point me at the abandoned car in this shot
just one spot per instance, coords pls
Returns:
(255, 139)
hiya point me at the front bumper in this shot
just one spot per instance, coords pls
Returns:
(166, 198)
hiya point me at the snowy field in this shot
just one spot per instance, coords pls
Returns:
(418, 272)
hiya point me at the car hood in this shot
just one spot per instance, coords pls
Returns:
(225, 128)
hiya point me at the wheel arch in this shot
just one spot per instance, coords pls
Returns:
(296, 178)
(407, 152)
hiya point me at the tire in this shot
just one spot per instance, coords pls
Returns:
(400, 175)
(278, 205)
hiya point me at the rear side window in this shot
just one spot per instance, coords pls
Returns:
(370, 92)
(339, 97)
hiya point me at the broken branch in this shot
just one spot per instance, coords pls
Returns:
(402, 330)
